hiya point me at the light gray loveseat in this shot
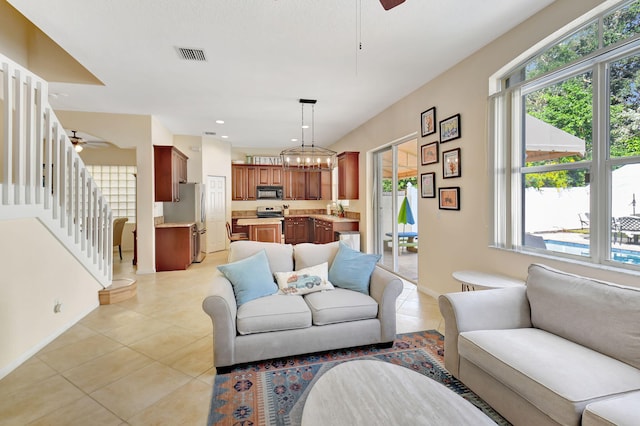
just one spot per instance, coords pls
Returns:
(283, 325)
(564, 349)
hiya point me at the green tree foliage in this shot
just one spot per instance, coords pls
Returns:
(387, 184)
(568, 105)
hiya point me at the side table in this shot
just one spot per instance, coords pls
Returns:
(472, 280)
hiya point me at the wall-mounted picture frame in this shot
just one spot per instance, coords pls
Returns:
(449, 198)
(429, 153)
(428, 120)
(450, 128)
(451, 164)
(428, 185)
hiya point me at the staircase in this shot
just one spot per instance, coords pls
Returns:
(42, 176)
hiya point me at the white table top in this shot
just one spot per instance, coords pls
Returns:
(485, 280)
(369, 392)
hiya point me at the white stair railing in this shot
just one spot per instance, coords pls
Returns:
(42, 175)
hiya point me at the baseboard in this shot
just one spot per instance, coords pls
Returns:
(25, 356)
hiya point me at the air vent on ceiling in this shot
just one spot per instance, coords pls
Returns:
(189, 54)
(209, 133)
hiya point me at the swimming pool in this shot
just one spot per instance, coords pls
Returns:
(618, 254)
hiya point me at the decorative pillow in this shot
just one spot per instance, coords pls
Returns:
(352, 269)
(250, 277)
(307, 280)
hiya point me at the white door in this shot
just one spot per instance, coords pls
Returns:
(216, 228)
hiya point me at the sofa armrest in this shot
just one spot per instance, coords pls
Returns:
(220, 305)
(385, 288)
(496, 309)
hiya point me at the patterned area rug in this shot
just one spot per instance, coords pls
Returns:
(273, 392)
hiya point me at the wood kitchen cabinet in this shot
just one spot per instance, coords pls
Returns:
(294, 185)
(170, 170)
(175, 247)
(296, 230)
(244, 180)
(318, 185)
(325, 231)
(348, 175)
(269, 175)
(268, 233)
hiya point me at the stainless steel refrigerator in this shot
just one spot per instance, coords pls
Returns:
(190, 208)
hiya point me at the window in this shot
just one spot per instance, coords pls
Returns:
(118, 185)
(566, 130)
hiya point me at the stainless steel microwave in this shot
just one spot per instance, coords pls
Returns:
(269, 192)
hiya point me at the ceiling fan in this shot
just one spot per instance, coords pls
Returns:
(79, 143)
(390, 4)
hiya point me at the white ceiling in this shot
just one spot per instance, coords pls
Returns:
(262, 56)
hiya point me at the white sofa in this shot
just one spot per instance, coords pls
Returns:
(283, 325)
(564, 349)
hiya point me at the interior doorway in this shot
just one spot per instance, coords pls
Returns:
(216, 209)
(396, 207)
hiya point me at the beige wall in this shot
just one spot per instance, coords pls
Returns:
(33, 267)
(24, 43)
(455, 240)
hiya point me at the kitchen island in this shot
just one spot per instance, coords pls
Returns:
(267, 230)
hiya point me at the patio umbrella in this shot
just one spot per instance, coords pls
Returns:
(405, 215)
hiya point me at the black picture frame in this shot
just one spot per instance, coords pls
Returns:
(429, 153)
(428, 122)
(451, 164)
(428, 185)
(449, 198)
(450, 128)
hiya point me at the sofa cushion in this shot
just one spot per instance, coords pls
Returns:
(303, 281)
(352, 269)
(308, 254)
(600, 315)
(250, 277)
(555, 375)
(620, 410)
(340, 305)
(273, 313)
(280, 255)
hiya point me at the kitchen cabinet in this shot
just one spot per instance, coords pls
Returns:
(170, 170)
(244, 180)
(296, 230)
(235, 228)
(318, 185)
(267, 233)
(269, 175)
(348, 175)
(175, 246)
(294, 185)
(325, 231)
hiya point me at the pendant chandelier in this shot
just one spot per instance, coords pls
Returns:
(308, 158)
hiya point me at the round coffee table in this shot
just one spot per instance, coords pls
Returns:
(472, 280)
(370, 392)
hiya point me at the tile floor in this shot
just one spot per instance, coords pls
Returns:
(147, 360)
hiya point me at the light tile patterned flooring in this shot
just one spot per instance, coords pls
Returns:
(145, 361)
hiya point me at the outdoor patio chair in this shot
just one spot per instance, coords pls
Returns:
(629, 226)
(584, 221)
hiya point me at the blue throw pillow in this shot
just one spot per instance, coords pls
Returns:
(352, 269)
(250, 277)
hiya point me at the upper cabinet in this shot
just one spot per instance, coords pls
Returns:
(170, 169)
(348, 175)
(244, 180)
(296, 185)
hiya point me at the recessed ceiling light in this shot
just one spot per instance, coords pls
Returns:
(219, 121)
(305, 126)
(224, 136)
(294, 140)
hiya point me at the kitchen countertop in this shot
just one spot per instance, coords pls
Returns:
(325, 217)
(175, 225)
(260, 221)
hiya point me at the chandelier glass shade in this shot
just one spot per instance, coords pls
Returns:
(308, 158)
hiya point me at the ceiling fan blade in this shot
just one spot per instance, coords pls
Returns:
(390, 4)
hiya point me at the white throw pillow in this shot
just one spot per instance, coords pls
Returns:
(307, 280)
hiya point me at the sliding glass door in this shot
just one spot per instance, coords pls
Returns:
(395, 204)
